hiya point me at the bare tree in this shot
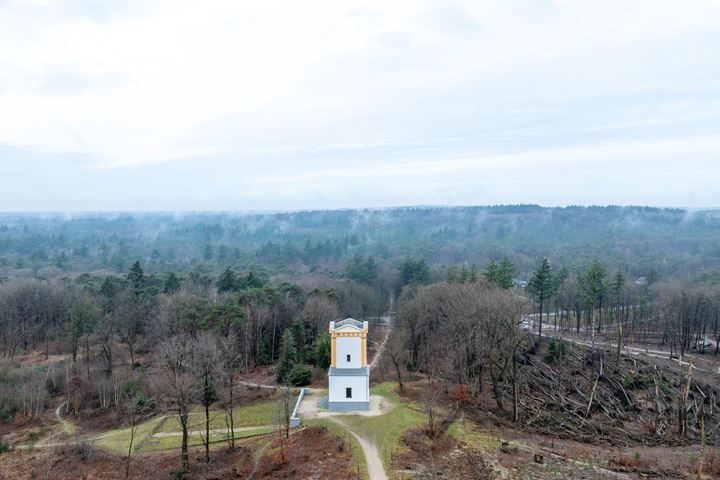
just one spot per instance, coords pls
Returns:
(229, 361)
(207, 360)
(176, 384)
(106, 333)
(135, 409)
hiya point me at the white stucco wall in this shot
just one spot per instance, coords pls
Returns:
(351, 346)
(360, 388)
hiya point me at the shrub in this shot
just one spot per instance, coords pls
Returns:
(179, 473)
(4, 446)
(6, 411)
(556, 351)
(83, 450)
(300, 375)
(144, 402)
(638, 381)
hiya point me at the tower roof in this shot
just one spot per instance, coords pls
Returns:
(351, 322)
(349, 325)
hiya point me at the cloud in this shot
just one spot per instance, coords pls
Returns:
(354, 91)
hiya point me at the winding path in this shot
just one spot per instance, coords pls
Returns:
(375, 468)
(373, 459)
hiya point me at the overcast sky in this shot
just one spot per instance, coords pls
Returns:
(251, 105)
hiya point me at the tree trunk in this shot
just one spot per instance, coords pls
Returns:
(396, 363)
(133, 429)
(207, 433)
(184, 442)
(619, 345)
(87, 355)
(132, 355)
(516, 399)
(496, 390)
(682, 402)
(540, 326)
(232, 420)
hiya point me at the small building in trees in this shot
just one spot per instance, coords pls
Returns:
(349, 374)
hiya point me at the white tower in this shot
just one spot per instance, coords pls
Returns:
(349, 375)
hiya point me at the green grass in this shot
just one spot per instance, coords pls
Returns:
(339, 431)
(386, 431)
(465, 431)
(117, 441)
(263, 415)
(250, 415)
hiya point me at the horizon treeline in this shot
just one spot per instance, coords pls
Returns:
(643, 241)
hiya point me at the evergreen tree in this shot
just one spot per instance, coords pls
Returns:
(491, 272)
(414, 271)
(222, 253)
(360, 269)
(618, 282)
(265, 353)
(108, 288)
(136, 276)
(464, 274)
(500, 274)
(227, 282)
(208, 253)
(451, 275)
(172, 284)
(322, 352)
(541, 287)
(617, 285)
(298, 330)
(300, 375)
(653, 276)
(559, 278)
(592, 286)
(505, 274)
(288, 356)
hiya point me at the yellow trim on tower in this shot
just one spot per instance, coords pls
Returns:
(363, 357)
(334, 352)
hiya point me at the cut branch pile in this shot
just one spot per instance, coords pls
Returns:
(584, 398)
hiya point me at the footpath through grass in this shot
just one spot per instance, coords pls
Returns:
(386, 431)
(254, 414)
(253, 419)
(355, 448)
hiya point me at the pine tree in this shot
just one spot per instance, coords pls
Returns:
(137, 277)
(322, 352)
(108, 288)
(414, 271)
(298, 329)
(491, 272)
(617, 285)
(227, 282)
(541, 287)
(222, 253)
(505, 274)
(208, 253)
(500, 274)
(172, 284)
(288, 356)
(592, 286)
(264, 354)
